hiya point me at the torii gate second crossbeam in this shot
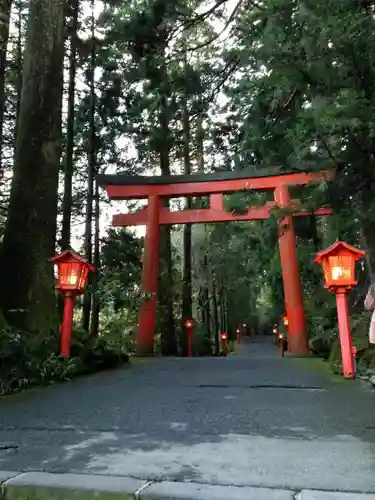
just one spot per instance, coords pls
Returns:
(126, 187)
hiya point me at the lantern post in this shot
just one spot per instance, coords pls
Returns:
(189, 323)
(244, 329)
(238, 335)
(72, 274)
(224, 343)
(282, 345)
(338, 263)
(274, 336)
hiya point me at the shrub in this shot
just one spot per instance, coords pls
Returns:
(335, 357)
(202, 343)
(31, 360)
(119, 331)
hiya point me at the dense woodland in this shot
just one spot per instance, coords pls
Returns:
(168, 87)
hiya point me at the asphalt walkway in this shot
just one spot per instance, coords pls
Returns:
(249, 420)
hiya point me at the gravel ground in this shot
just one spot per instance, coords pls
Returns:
(251, 419)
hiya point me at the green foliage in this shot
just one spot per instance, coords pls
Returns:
(27, 361)
(118, 330)
(120, 271)
(237, 203)
(334, 359)
(202, 343)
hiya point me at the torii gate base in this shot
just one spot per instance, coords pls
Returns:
(124, 187)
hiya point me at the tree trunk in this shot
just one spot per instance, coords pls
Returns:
(215, 317)
(96, 263)
(186, 271)
(205, 261)
(222, 308)
(5, 9)
(367, 222)
(69, 166)
(87, 299)
(206, 312)
(27, 294)
(165, 295)
(18, 65)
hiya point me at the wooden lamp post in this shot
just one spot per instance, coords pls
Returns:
(72, 274)
(224, 343)
(275, 332)
(238, 335)
(338, 263)
(189, 323)
(282, 344)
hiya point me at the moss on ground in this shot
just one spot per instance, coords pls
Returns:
(41, 493)
(319, 364)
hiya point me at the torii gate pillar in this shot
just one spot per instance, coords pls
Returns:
(149, 280)
(298, 343)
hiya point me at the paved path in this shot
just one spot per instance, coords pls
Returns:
(251, 419)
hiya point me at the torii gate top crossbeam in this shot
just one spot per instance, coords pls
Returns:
(126, 187)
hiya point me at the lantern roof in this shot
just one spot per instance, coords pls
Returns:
(336, 249)
(71, 256)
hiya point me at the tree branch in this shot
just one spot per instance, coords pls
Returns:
(215, 37)
(197, 19)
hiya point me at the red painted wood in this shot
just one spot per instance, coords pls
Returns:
(297, 338)
(132, 192)
(67, 325)
(344, 333)
(216, 201)
(149, 280)
(189, 332)
(197, 216)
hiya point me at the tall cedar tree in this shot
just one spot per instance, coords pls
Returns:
(5, 8)
(27, 286)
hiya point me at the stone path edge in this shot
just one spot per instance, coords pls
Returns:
(51, 486)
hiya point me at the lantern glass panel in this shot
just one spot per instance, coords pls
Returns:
(69, 274)
(326, 270)
(341, 268)
(83, 278)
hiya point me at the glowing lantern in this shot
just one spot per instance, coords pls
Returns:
(338, 263)
(238, 335)
(72, 274)
(189, 323)
(224, 343)
(285, 320)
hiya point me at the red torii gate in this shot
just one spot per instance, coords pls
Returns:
(127, 187)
